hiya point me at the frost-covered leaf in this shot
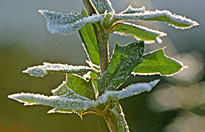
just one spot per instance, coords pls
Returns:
(42, 70)
(165, 16)
(158, 63)
(139, 32)
(124, 60)
(60, 102)
(80, 86)
(129, 91)
(119, 117)
(131, 10)
(62, 23)
(89, 39)
(101, 6)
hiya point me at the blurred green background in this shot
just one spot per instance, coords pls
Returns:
(175, 105)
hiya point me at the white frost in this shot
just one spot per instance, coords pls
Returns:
(42, 70)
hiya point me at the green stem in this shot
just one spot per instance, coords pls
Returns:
(103, 46)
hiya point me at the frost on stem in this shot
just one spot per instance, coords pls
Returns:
(42, 70)
(62, 23)
(166, 16)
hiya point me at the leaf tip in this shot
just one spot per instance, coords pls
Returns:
(35, 71)
(184, 66)
(11, 96)
(42, 12)
(154, 83)
(164, 48)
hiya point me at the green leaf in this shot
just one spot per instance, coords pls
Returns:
(158, 63)
(64, 90)
(139, 32)
(62, 23)
(89, 39)
(165, 16)
(101, 6)
(80, 86)
(42, 70)
(124, 60)
(60, 102)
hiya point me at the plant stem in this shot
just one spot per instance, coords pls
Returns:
(103, 46)
(110, 121)
(102, 38)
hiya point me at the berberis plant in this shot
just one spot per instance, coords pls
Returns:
(94, 88)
